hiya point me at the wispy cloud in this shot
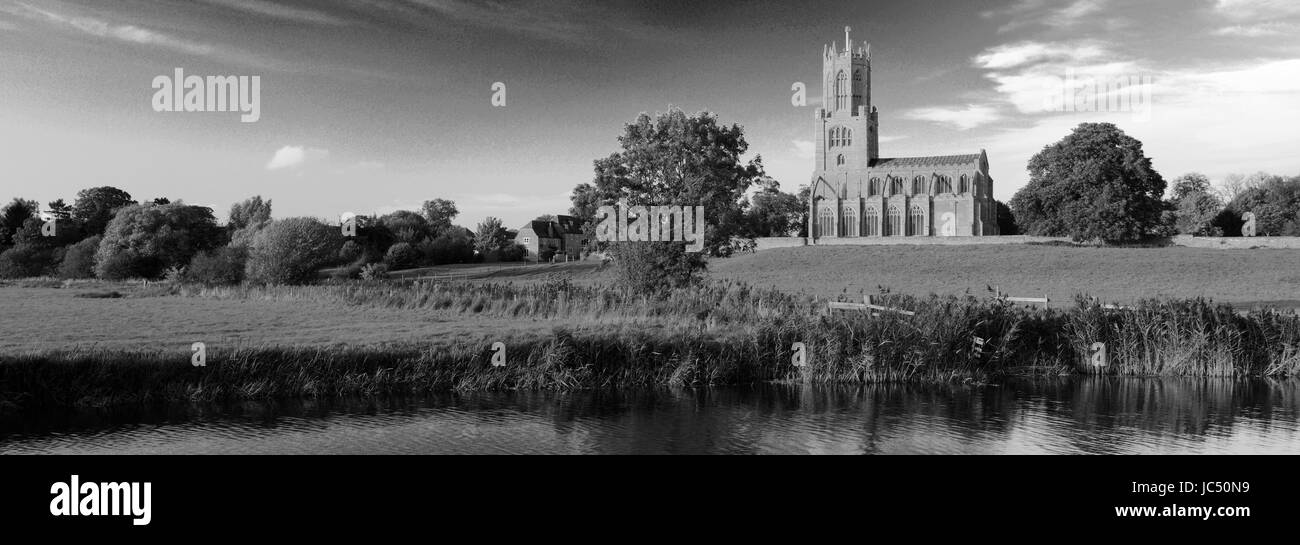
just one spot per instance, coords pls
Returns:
(1050, 13)
(966, 118)
(1242, 10)
(1275, 28)
(281, 12)
(548, 21)
(103, 29)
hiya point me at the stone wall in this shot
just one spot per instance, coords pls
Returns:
(788, 242)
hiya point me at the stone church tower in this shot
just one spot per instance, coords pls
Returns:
(856, 193)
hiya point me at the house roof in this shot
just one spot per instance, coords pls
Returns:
(931, 161)
(543, 229)
(569, 225)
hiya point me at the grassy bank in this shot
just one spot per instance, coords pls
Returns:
(565, 336)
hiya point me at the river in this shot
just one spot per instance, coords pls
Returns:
(1031, 416)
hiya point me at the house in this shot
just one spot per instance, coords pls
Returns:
(562, 236)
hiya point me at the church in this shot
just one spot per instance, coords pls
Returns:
(856, 193)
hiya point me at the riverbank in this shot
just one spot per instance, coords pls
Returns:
(560, 336)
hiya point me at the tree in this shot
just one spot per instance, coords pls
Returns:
(251, 212)
(60, 209)
(1188, 184)
(144, 240)
(439, 213)
(79, 260)
(1275, 202)
(546, 217)
(161, 200)
(1197, 212)
(289, 251)
(13, 216)
(95, 207)
(401, 256)
(490, 236)
(407, 226)
(1095, 184)
(1006, 220)
(772, 213)
(676, 159)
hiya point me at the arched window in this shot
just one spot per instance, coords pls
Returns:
(871, 223)
(895, 185)
(840, 160)
(873, 188)
(963, 184)
(916, 221)
(942, 185)
(857, 75)
(849, 222)
(918, 185)
(826, 222)
(894, 225)
(846, 137)
(841, 91)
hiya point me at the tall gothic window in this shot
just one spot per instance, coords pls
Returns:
(840, 160)
(849, 222)
(841, 91)
(871, 223)
(942, 184)
(826, 222)
(895, 185)
(873, 189)
(963, 184)
(857, 75)
(918, 185)
(894, 225)
(916, 221)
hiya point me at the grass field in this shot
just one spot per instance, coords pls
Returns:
(1245, 278)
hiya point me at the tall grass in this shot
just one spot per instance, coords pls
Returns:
(721, 333)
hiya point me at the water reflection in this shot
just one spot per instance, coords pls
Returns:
(1073, 415)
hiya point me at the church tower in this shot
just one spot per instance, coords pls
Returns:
(848, 130)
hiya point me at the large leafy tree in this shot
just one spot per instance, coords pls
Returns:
(439, 213)
(490, 236)
(1274, 200)
(679, 159)
(1095, 184)
(95, 207)
(251, 212)
(144, 240)
(289, 251)
(13, 216)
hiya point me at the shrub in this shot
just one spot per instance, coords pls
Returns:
(650, 267)
(289, 251)
(546, 254)
(174, 274)
(79, 259)
(25, 260)
(350, 252)
(402, 256)
(452, 247)
(374, 271)
(221, 267)
(513, 252)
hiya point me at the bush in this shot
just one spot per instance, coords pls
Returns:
(79, 259)
(145, 240)
(289, 251)
(374, 271)
(402, 256)
(546, 254)
(513, 252)
(651, 267)
(26, 260)
(221, 267)
(351, 252)
(453, 247)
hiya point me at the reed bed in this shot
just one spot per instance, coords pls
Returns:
(722, 333)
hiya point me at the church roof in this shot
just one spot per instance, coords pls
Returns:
(931, 161)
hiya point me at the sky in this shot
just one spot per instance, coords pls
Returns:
(370, 106)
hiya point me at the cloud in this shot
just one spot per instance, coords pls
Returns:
(103, 29)
(546, 21)
(962, 118)
(1244, 10)
(1049, 13)
(6, 25)
(804, 149)
(1275, 28)
(284, 13)
(1019, 54)
(291, 157)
